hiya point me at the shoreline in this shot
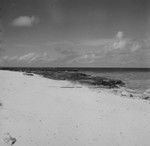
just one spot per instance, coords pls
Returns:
(118, 87)
(38, 111)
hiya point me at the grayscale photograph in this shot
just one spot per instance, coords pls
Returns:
(75, 72)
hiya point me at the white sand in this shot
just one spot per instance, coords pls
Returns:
(37, 112)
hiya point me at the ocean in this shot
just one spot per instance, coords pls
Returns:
(137, 79)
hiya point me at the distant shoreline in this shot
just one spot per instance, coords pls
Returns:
(112, 69)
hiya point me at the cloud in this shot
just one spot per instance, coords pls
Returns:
(95, 42)
(65, 51)
(87, 58)
(23, 58)
(1, 33)
(72, 56)
(146, 42)
(119, 50)
(25, 21)
(115, 49)
(125, 51)
(135, 45)
(68, 55)
(120, 42)
(27, 56)
(120, 35)
(91, 50)
(35, 57)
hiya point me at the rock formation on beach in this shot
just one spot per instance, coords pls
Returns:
(81, 78)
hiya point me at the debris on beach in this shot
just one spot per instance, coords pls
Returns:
(130, 93)
(9, 139)
(28, 74)
(146, 94)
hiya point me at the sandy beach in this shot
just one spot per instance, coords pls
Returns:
(37, 111)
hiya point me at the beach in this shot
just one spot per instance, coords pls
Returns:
(37, 111)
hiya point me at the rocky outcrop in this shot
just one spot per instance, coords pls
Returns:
(82, 78)
(146, 95)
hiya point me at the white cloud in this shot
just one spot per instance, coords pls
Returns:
(25, 21)
(124, 43)
(117, 42)
(135, 46)
(87, 58)
(27, 56)
(147, 42)
(101, 48)
(120, 35)
(111, 51)
(5, 57)
(8, 58)
(120, 42)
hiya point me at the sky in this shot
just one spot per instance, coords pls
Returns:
(75, 33)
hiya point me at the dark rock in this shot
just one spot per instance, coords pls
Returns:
(72, 75)
(9, 139)
(146, 97)
(131, 95)
(13, 140)
(75, 76)
(28, 74)
(80, 78)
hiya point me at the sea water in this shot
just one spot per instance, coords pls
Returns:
(138, 79)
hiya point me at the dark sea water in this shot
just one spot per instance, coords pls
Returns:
(138, 79)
